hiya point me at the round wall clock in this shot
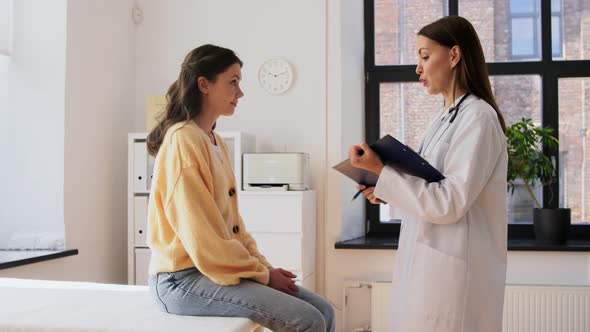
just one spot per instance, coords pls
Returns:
(275, 75)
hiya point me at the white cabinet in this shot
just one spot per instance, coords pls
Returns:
(140, 169)
(283, 223)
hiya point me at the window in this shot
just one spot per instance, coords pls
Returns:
(395, 30)
(522, 45)
(524, 29)
(514, 33)
(556, 29)
(570, 25)
(574, 148)
(32, 192)
(5, 27)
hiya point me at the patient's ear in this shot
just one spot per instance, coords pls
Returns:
(203, 85)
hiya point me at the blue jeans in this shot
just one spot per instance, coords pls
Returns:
(189, 292)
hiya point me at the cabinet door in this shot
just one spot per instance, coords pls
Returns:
(140, 167)
(281, 250)
(142, 262)
(151, 161)
(272, 213)
(140, 220)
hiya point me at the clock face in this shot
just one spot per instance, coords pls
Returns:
(275, 76)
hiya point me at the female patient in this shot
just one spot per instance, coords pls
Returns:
(204, 262)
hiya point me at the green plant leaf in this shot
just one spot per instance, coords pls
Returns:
(526, 159)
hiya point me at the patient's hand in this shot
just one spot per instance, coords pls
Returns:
(282, 280)
(368, 193)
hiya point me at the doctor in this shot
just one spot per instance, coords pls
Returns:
(450, 267)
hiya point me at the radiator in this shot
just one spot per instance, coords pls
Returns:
(380, 304)
(527, 308)
(530, 308)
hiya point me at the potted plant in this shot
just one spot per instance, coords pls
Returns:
(526, 161)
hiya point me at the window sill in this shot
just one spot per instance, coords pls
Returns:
(524, 244)
(13, 258)
(365, 242)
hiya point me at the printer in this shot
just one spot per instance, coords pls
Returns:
(276, 171)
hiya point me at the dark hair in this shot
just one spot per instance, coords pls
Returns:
(184, 99)
(472, 72)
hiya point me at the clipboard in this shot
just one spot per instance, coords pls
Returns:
(395, 154)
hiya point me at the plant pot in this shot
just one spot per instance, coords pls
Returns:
(551, 225)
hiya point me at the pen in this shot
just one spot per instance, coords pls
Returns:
(357, 194)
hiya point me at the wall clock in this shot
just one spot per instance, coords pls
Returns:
(275, 75)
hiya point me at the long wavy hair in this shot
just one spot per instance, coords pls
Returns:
(184, 97)
(472, 71)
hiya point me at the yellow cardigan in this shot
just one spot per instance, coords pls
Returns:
(193, 217)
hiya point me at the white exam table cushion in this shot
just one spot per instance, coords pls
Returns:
(56, 306)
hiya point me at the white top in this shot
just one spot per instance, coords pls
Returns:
(217, 150)
(450, 268)
(216, 147)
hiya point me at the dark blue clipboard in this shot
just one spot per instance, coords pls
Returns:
(395, 154)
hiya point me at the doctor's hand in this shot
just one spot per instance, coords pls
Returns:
(362, 156)
(282, 280)
(369, 195)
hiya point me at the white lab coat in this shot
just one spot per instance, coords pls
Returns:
(450, 267)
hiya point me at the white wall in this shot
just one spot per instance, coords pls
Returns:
(99, 91)
(90, 168)
(32, 94)
(345, 127)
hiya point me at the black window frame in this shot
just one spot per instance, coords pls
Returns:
(549, 70)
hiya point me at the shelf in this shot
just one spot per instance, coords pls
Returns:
(389, 243)
(13, 258)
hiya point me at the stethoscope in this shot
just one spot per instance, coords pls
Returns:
(453, 111)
